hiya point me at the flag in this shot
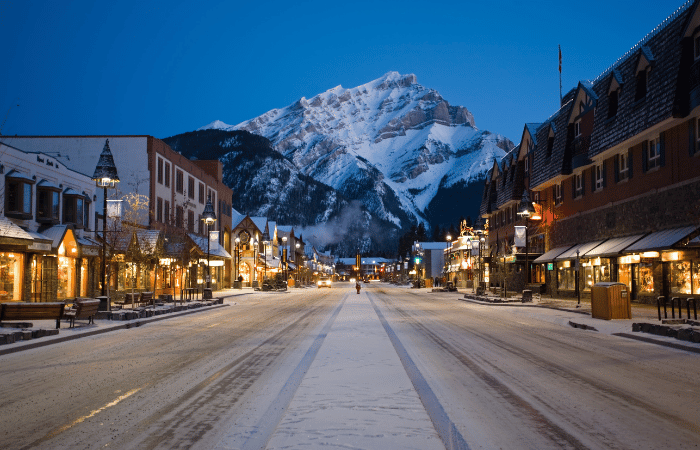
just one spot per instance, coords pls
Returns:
(560, 59)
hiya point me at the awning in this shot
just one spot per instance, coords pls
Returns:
(613, 247)
(214, 250)
(581, 248)
(550, 255)
(661, 240)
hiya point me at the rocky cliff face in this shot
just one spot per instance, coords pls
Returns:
(391, 144)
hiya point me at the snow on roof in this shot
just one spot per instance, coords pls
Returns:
(8, 229)
(260, 222)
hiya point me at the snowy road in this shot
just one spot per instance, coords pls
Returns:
(390, 368)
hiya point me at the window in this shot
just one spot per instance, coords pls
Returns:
(73, 208)
(179, 181)
(653, 154)
(190, 221)
(577, 128)
(623, 164)
(160, 171)
(47, 202)
(190, 187)
(86, 211)
(18, 201)
(159, 210)
(167, 174)
(557, 194)
(166, 212)
(578, 186)
(599, 177)
(179, 216)
(201, 225)
(201, 193)
(527, 164)
(613, 102)
(509, 218)
(550, 145)
(641, 90)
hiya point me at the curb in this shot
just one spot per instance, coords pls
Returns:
(133, 324)
(522, 305)
(662, 343)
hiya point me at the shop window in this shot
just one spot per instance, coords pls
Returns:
(680, 277)
(566, 277)
(11, 265)
(645, 279)
(73, 206)
(18, 198)
(47, 203)
(696, 277)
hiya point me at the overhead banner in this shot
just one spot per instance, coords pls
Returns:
(519, 236)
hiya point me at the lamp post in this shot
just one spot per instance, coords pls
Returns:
(285, 256)
(480, 230)
(254, 243)
(296, 261)
(209, 217)
(105, 176)
(527, 210)
(265, 266)
(238, 258)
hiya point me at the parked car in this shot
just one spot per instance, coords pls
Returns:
(324, 282)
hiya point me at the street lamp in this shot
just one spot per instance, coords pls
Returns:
(285, 257)
(105, 176)
(265, 266)
(254, 243)
(209, 217)
(238, 257)
(527, 210)
(479, 229)
(296, 261)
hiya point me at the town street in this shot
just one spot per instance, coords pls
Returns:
(388, 368)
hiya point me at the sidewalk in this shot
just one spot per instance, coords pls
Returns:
(81, 328)
(581, 318)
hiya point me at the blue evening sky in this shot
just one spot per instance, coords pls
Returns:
(166, 67)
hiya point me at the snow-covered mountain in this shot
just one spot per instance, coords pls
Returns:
(398, 147)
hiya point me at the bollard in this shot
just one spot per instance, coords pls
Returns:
(659, 301)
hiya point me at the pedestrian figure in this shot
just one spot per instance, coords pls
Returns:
(357, 286)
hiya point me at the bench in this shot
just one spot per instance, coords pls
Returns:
(146, 298)
(32, 311)
(84, 309)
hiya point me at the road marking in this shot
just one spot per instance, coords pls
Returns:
(92, 414)
(444, 426)
(272, 417)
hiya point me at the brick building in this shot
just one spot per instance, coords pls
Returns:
(614, 175)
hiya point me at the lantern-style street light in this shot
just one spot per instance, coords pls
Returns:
(105, 176)
(265, 266)
(285, 257)
(296, 261)
(527, 211)
(238, 258)
(209, 217)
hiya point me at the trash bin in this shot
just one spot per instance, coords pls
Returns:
(527, 296)
(238, 284)
(610, 301)
(206, 294)
(104, 303)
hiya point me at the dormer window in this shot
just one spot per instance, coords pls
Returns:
(613, 102)
(642, 74)
(550, 143)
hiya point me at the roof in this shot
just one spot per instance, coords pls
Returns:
(148, 240)
(55, 233)
(9, 229)
(17, 174)
(260, 222)
(214, 250)
(661, 240)
(613, 247)
(236, 218)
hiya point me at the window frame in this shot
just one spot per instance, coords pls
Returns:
(190, 186)
(654, 146)
(24, 188)
(623, 171)
(159, 173)
(72, 200)
(577, 128)
(53, 209)
(166, 180)
(599, 177)
(578, 185)
(159, 210)
(556, 194)
(179, 181)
